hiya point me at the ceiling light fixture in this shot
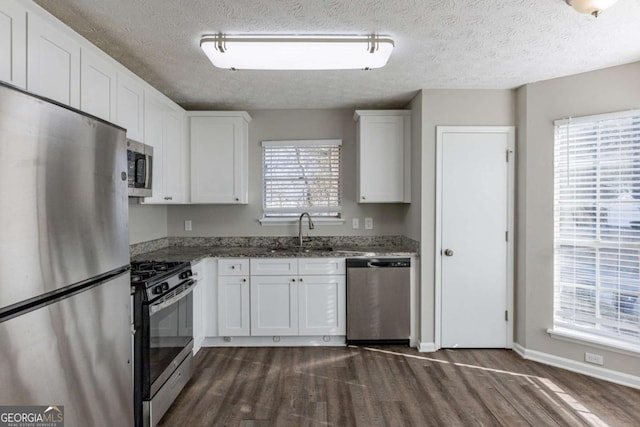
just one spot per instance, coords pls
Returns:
(593, 7)
(281, 52)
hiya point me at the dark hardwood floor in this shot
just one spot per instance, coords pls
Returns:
(392, 386)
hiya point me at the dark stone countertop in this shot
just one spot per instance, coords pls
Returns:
(196, 253)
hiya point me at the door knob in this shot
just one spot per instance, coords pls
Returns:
(448, 252)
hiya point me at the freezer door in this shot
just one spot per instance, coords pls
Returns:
(63, 187)
(76, 353)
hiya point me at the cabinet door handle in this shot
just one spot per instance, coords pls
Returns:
(293, 280)
(364, 198)
(301, 279)
(237, 199)
(233, 267)
(168, 198)
(244, 280)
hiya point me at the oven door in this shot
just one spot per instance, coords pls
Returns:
(170, 336)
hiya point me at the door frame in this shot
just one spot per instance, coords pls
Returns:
(510, 159)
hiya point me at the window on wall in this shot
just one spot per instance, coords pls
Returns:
(301, 176)
(597, 226)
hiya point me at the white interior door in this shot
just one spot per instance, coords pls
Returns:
(474, 251)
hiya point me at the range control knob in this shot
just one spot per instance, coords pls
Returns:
(157, 289)
(186, 274)
(165, 286)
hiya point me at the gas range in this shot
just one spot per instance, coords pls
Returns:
(163, 340)
(156, 278)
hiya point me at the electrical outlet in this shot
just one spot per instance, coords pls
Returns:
(187, 225)
(596, 359)
(355, 223)
(368, 223)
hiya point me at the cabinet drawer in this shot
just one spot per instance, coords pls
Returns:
(312, 266)
(274, 266)
(233, 267)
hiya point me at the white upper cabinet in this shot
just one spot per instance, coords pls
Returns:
(98, 85)
(130, 107)
(53, 62)
(219, 145)
(13, 43)
(383, 156)
(164, 131)
(153, 131)
(174, 155)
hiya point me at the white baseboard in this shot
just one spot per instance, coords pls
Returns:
(293, 341)
(579, 367)
(427, 347)
(519, 349)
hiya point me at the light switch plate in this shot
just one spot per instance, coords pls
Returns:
(368, 223)
(355, 223)
(187, 225)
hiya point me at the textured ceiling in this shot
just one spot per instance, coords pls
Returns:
(470, 44)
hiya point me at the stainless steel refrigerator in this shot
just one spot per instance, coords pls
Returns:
(65, 306)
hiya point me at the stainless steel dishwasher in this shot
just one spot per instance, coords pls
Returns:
(378, 300)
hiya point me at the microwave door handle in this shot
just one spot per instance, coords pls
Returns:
(141, 171)
(148, 170)
(161, 305)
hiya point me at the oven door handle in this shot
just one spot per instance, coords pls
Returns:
(154, 308)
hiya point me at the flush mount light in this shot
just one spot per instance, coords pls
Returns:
(280, 52)
(593, 7)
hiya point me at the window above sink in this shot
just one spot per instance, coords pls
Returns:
(301, 176)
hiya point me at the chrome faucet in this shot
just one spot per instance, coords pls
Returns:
(311, 226)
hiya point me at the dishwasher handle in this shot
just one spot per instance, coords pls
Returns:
(378, 262)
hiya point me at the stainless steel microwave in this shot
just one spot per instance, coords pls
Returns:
(140, 168)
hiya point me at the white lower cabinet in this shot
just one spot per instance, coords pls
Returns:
(309, 300)
(233, 306)
(322, 305)
(233, 298)
(198, 305)
(278, 297)
(274, 305)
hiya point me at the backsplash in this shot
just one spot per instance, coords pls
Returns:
(273, 241)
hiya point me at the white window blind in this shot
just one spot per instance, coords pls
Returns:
(301, 176)
(597, 225)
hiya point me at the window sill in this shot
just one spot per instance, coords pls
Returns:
(292, 221)
(604, 343)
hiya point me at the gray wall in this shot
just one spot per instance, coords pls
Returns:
(146, 222)
(603, 91)
(449, 108)
(226, 220)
